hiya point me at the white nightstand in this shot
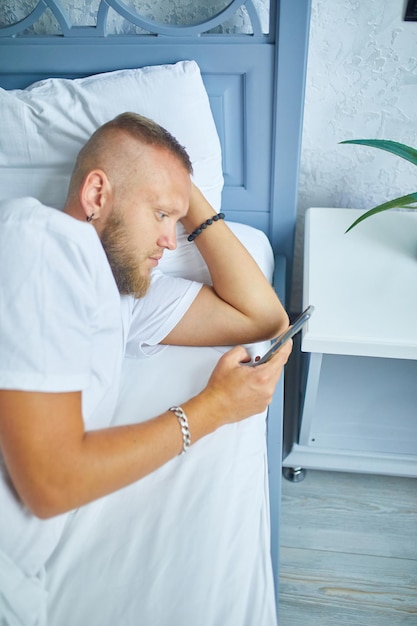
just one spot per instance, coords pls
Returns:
(359, 409)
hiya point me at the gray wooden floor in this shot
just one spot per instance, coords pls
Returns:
(349, 551)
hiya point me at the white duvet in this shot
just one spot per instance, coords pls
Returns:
(187, 545)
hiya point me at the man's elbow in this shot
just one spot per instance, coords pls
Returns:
(274, 321)
(45, 502)
(45, 510)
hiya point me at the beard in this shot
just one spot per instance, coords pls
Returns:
(125, 265)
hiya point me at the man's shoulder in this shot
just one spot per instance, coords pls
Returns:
(16, 207)
(30, 214)
(27, 210)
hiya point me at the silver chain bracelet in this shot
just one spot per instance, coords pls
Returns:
(185, 430)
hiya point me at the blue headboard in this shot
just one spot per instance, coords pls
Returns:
(255, 84)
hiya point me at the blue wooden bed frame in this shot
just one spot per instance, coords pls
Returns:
(256, 88)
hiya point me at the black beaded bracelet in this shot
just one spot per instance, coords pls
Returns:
(199, 230)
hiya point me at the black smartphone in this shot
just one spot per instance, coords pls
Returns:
(279, 341)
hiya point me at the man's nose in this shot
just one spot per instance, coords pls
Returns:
(168, 240)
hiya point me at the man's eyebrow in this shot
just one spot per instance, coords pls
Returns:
(177, 212)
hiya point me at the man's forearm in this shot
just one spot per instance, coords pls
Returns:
(56, 466)
(236, 277)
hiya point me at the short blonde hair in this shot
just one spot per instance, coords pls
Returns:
(139, 127)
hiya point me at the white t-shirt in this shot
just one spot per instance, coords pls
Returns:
(64, 327)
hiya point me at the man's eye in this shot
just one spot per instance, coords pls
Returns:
(161, 215)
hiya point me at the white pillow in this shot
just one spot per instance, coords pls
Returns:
(186, 260)
(45, 125)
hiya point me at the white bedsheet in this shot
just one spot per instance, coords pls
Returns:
(23, 599)
(187, 545)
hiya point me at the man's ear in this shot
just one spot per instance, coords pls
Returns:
(95, 195)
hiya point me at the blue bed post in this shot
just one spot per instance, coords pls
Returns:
(292, 22)
(292, 32)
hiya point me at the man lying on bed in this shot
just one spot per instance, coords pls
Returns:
(65, 329)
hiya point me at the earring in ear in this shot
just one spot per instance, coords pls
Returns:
(89, 218)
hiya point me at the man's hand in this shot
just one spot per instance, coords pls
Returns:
(239, 391)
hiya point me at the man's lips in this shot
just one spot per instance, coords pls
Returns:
(155, 259)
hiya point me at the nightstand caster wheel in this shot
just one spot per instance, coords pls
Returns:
(294, 474)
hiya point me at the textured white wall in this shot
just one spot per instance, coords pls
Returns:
(361, 83)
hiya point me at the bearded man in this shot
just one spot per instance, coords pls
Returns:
(80, 290)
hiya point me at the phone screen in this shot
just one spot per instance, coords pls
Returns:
(295, 327)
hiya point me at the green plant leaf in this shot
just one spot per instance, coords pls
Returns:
(399, 149)
(402, 202)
